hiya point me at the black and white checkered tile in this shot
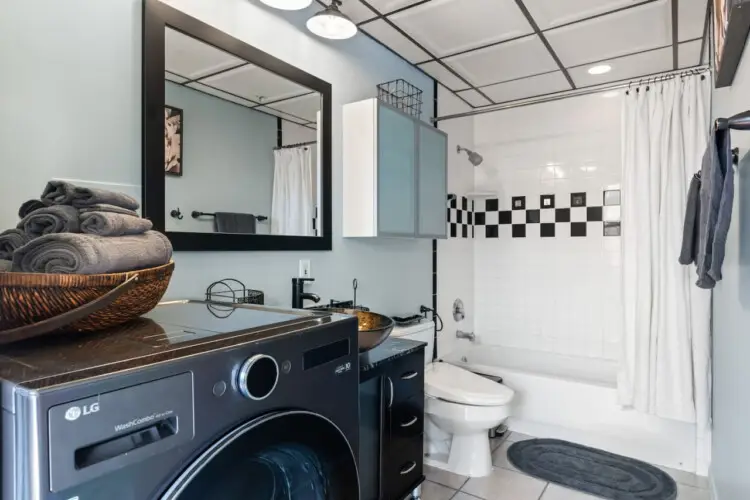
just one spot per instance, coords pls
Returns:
(574, 216)
(460, 217)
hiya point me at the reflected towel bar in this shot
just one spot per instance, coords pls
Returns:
(195, 214)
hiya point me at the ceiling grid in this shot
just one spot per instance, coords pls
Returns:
(489, 52)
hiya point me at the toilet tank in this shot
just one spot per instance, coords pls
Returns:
(422, 332)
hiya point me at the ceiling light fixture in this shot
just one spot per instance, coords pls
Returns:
(331, 23)
(288, 4)
(600, 70)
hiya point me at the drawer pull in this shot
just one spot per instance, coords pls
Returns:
(390, 401)
(410, 422)
(408, 468)
(409, 375)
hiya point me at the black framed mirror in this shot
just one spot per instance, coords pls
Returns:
(236, 143)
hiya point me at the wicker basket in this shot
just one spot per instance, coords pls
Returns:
(37, 304)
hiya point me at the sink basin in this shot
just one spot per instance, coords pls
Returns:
(374, 328)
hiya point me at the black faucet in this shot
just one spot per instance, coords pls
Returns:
(299, 295)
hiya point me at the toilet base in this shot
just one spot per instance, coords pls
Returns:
(471, 455)
(464, 454)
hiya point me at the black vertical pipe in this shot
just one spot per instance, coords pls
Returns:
(434, 245)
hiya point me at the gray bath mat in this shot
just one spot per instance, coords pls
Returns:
(591, 471)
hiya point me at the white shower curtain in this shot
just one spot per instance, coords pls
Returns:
(666, 368)
(292, 205)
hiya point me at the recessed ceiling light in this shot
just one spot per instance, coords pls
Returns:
(331, 23)
(600, 70)
(288, 4)
(610, 94)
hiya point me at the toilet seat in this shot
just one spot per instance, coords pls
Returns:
(454, 384)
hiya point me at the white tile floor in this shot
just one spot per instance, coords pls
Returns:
(507, 483)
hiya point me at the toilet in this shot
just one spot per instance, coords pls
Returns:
(460, 409)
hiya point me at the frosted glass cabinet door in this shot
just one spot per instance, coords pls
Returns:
(396, 173)
(432, 182)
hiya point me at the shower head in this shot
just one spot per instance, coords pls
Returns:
(475, 158)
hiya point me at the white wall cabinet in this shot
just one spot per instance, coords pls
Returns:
(395, 174)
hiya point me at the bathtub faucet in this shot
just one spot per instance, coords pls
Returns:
(465, 335)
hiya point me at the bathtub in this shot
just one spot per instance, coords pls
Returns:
(575, 398)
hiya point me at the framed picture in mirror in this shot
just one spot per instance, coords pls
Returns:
(173, 118)
(252, 168)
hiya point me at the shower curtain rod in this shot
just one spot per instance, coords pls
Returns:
(298, 145)
(593, 89)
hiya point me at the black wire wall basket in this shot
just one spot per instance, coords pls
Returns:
(231, 291)
(402, 95)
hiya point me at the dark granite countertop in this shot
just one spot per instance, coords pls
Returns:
(392, 348)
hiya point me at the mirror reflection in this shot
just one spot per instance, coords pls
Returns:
(241, 145)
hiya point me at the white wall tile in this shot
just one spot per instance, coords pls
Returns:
(558, 294)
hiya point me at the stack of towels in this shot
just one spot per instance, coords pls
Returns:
(75, 230)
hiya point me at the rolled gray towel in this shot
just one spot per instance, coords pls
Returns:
(65, 193)
(85, 197)
(10, 241)
(69, 253)
(58, 193)
(5, 266)
(102, 207)
(54, 219)
(30, 206)
(112, 224)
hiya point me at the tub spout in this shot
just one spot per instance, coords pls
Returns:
(465, 335)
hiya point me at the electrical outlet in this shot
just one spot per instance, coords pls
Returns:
(305, 269)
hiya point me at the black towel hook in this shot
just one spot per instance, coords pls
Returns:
(176, 214)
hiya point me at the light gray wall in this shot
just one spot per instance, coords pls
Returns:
(731, 322)
(227, 160)
(71, 107)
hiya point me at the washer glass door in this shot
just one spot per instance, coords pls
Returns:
(292, 455)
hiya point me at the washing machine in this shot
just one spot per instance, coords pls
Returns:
(196, 401)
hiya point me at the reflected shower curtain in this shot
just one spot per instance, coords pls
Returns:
(666, 368)
(292, 204)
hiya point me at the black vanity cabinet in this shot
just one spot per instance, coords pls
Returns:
(392, 423)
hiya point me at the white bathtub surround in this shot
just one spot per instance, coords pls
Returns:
(575, 398)
(667, 318)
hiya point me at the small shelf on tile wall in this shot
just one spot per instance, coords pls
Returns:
(478, 195)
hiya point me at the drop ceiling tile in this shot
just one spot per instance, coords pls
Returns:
(254, 83)
(357, 11)
(174, 78)
(550, 13)
(507, 61)
(386, 6)
(192, 58)
(305, 107)
(281, 114)
(527, 87)
(623, 68)
(449, 26)
(441, 74)
(640, 28)
(218, 93)
(474, 98)
(389, 36)
(689, 54)
(692, 16)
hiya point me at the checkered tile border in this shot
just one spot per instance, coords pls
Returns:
(557, 216)
(460, 217)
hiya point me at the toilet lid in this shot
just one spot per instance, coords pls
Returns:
(455, 384)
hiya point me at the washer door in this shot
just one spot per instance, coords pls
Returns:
(291, 455)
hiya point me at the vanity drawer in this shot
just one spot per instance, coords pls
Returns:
(404, 469)
(407, 377)
(407, 419)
